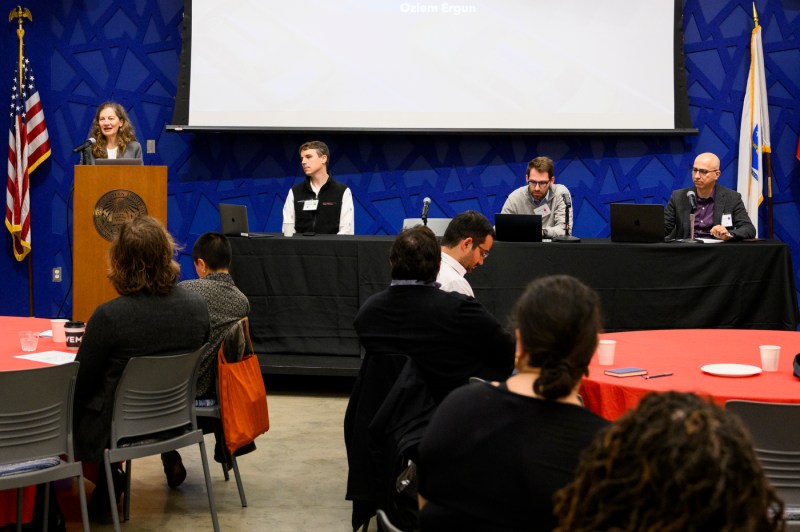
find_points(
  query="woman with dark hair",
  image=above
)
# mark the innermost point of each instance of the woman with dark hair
(674, 463)
(495, 453)
(114, 135)
(152, 316)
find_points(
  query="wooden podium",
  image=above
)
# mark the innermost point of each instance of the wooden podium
(105, 197)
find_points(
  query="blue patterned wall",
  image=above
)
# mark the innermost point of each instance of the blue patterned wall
(88, 51)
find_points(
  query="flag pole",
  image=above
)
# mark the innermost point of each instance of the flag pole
(21, 13)
(767, 153)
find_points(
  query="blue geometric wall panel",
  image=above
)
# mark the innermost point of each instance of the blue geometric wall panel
(88, 52)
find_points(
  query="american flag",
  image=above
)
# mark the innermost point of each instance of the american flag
(28, 147)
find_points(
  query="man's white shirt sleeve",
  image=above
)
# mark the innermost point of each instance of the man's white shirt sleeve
(288, 213)
(346, 216)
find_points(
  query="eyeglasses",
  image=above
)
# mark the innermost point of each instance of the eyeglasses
(702, 171)
(484, 253)
(540, 184)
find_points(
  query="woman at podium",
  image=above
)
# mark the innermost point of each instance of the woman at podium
(114, 133)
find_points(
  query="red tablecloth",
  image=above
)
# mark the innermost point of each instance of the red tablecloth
(683, 352)
(9, 348)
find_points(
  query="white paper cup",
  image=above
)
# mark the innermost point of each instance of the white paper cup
(28, 340)
(57, 325)
(770, 355)
(605, 352)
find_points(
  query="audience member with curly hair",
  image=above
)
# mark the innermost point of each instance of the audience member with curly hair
(495, 453)
(152, 316)
(675, 463)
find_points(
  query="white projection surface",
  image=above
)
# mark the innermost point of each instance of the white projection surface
(480, 65)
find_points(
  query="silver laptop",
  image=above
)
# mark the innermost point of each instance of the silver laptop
(518, 227)
(118, 162)
(635, 222)
(437, 225)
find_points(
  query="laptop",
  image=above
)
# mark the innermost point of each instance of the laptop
(437, 225)
(233, 221)
(518, 227)
(119, 162)
(633, 222)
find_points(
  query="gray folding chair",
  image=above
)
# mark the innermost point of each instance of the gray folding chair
(36, 432)
(235, 344)
(154, 412)
(213, 412)
(775, 428)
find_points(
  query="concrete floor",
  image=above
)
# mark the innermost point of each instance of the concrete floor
(295, 480)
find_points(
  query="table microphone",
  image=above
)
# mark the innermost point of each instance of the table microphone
(692, 207)
(426, 203)
(566, 237)
(692, 200)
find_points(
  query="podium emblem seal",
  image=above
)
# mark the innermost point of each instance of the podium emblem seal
(114, 208)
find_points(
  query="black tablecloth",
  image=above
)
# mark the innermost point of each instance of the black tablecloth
(305, 291)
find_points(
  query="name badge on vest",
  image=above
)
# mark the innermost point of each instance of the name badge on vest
(310, 205)
(727, 220)
(542, 210)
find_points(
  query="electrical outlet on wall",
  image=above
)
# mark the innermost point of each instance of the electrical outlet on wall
(57, 274)
(151, 146)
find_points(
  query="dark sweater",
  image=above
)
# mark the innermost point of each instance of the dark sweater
(126, 327)
(491, 460)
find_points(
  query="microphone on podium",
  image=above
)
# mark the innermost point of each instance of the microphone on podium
(89, 142)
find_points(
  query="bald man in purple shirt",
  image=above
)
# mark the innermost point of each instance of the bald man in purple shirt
(720, 211)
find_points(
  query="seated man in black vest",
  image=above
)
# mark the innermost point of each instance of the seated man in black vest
(450, 336)
(319, 204)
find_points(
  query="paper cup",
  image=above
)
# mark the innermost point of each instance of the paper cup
(57, 325)
(770, 355)
(605, 352)
(28, 340)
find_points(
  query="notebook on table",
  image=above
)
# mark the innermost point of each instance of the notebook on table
(518, 227)
(233, 221)
(635, 222)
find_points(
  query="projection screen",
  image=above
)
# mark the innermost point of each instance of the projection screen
(395, 65)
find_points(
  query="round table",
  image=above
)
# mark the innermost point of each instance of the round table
(683, 352)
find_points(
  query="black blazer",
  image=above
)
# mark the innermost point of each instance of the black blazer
(726, 201)
(450, 336)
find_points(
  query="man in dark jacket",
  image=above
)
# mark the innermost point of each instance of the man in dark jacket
(719, 212)
(450, 336)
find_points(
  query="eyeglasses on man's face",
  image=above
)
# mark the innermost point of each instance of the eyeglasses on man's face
(484, 253)
(702, 171)
(538, 184)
